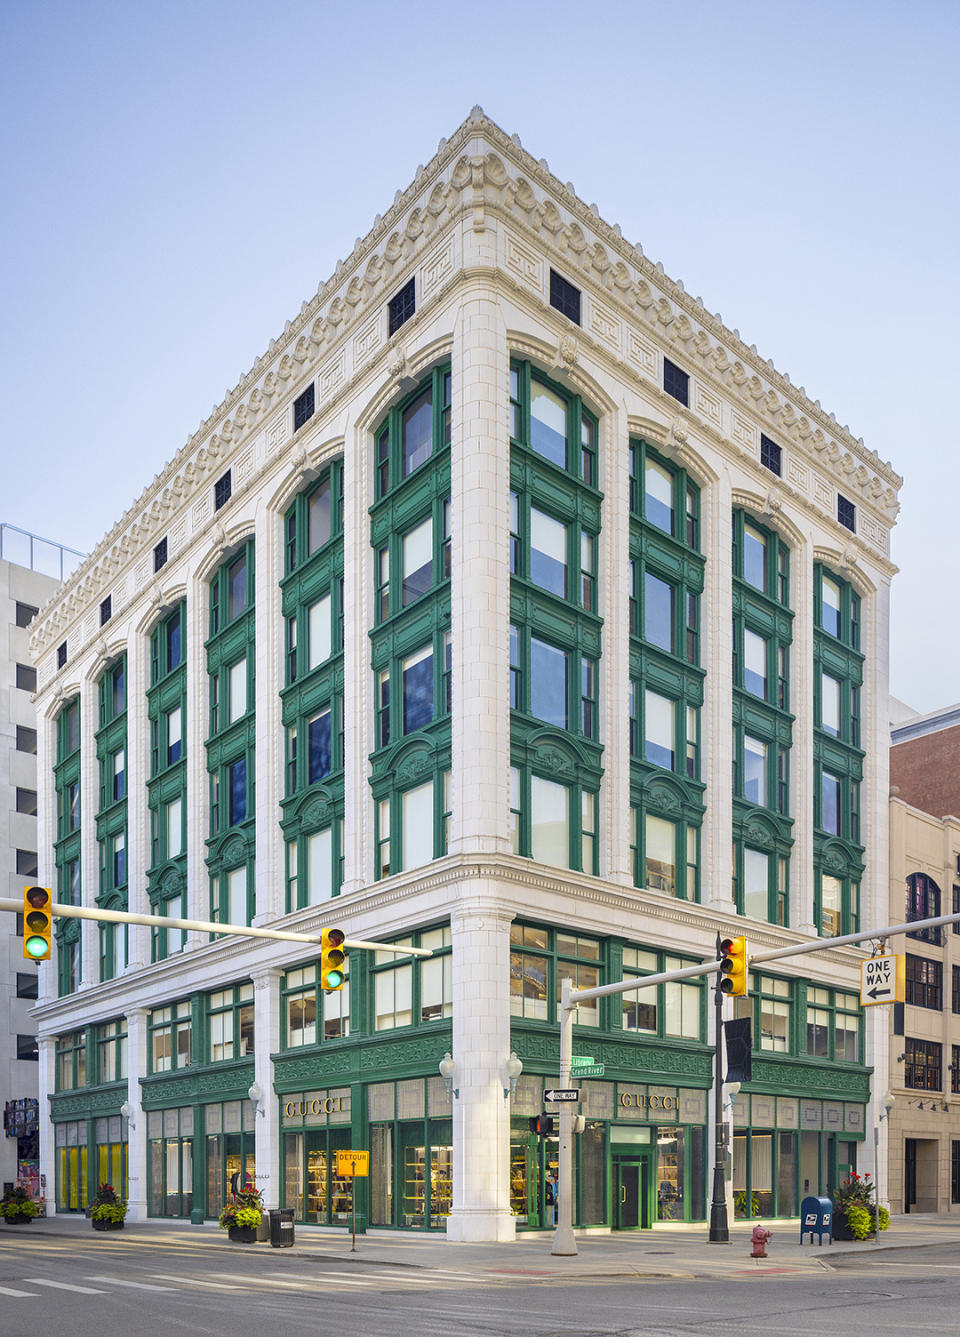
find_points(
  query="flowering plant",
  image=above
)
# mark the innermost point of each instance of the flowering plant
(106, 1206)
(244, 1208)
(855, 1188)
(18, 1202)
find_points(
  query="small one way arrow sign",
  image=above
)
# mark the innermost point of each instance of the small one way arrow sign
(882, 980)
(558, 1097)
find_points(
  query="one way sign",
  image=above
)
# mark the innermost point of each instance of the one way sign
(882, 980)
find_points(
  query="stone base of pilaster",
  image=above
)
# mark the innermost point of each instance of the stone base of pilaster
(481, 1226)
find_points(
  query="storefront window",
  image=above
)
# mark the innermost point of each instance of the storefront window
(170, 1134)
(71, 1142)
(111, 1150)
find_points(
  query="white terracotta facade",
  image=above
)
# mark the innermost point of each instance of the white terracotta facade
(479, 230)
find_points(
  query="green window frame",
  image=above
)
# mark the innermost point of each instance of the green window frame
(232, 589)
(314, 854)
(169, 899)
(309, 1015)
(69, 957)
(761, 873)
(761, 559)
(405, 703)
(168, 644)
(773, 1004)
(535, 666)
(414, 432)
(568, 841)
(112, 692)
(540, 958)
(423, 539)
(401, 812)
(674, 1010)
(413, 991)
(68, 729)
(549, 422)
(664, 496)
(838, 672)
(71, 1060)
(837, 897)
(665, 603)
(762, 722)
(170, 1037)
(229, 1017)
(233, 887)
(315, 519)
(834, 1025)
(111, 1042)
(666, 847)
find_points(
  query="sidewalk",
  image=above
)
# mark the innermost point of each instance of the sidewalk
(666, 1251)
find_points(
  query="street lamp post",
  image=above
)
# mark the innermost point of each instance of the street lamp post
(886, 1105)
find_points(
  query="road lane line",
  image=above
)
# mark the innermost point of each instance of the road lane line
(136, 1285)
(186, 1280)
(6, 1290)
(63, 1286)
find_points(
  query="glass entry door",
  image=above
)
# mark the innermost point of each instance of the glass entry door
(631, 1194)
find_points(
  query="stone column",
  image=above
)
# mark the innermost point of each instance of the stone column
(270, 868)
(138, 813)
(615, 821)
(358, 689)
(89, 845)
(480, 601)
(802, 768)
(137, 1143)
(195, 726)
(47, 1084)
(716, 725)
(266, 1029)
(481, 1046)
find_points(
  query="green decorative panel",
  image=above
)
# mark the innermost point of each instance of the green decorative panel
(624, 1060)
(89, 1103)
(406, 1057)
(228, 1081)
(793, 1077)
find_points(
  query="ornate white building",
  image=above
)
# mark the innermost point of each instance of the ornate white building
(427, 633)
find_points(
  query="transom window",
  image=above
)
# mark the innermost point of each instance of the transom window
(310, 1014)
(673, 1009)
(170, 1029)
(230, 1023)
(414, 991)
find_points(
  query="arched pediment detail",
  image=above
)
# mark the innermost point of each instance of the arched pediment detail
(163, 600)
(846, 565)
(224, 544)
(768, 511)
(305, 467)
(670, 440)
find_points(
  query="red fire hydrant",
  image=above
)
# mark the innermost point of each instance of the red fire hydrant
(759, 1238)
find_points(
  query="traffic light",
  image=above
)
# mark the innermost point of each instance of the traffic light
(733, 966)
(37, 923)
(332, 958)
(542, 1125)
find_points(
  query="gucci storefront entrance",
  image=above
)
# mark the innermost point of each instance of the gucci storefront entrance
(640, 1159)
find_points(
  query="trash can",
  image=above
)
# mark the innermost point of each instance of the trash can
(281, 1228)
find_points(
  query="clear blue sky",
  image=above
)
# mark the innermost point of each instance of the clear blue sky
(178, 178)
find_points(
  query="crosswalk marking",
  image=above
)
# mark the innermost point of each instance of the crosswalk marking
(6, 1290)
(137, 1285)
(62, 1286)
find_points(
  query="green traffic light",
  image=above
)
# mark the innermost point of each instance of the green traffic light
(36, 947)
(334, 979)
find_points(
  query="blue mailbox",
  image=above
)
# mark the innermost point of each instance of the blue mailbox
(816, 1218)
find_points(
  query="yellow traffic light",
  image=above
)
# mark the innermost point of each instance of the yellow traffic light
(37, 923)
(733, 967)
(332, 959)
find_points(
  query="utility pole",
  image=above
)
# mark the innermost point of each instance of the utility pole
(563, 1241)
(719, 1229)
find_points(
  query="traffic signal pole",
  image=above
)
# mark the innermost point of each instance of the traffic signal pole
(719, 1227)
(563, 1241)
(208, 926)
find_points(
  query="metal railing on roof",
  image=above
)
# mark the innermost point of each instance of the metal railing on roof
(38, 554)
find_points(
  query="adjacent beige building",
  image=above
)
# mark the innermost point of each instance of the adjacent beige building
(924, 1076)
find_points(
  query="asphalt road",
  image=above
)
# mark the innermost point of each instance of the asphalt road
(123, 1288)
